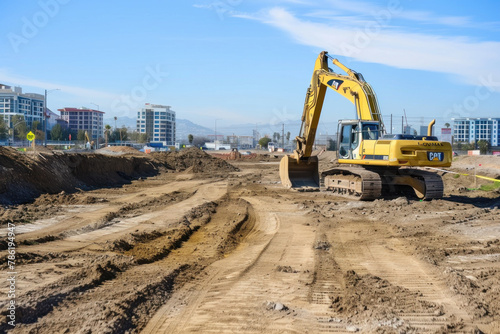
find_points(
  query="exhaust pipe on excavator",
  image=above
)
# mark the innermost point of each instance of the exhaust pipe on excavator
(298, 174)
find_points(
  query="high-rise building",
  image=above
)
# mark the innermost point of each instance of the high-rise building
(89, 120)
(158, 122)
(466, 129)
(13, 102)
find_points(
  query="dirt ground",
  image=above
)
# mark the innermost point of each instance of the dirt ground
(189, 243)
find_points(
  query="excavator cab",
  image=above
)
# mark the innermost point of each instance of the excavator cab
(303, 172)
(350, 135)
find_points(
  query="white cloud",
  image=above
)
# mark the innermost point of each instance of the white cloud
(377, 42)
(88, 94)
(398, 10)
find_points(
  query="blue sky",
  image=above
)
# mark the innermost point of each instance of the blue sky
(242, 61)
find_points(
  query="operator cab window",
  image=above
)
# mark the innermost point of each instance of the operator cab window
(370, 131)
(354, 137)
(344, 141)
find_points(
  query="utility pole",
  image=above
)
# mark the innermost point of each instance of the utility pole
(402, 124)
(45, 120)
(283, 136)
(391, 124)
(45, 116)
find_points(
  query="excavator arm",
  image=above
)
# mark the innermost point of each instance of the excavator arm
(351, 86)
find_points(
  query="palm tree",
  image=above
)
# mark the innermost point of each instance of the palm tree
(107, 127)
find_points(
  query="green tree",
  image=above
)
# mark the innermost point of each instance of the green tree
(4, 131)
(458, 146)
(143, 138)
(447, 125)
(263, 142)
(190, 138)
(331, 145)
(57, 132)
(200, 141)
(81, 136)
(107, 130)
(134, 136)
(468, 146)
(288, 136)
(20, 128)
(36, 127)
(119, 135)
(123, 133)
(483, 146)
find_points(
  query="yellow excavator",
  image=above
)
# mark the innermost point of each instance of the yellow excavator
(375, 163)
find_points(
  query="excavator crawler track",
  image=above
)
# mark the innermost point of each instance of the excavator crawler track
(433, 183)
(353, 182)
(364, 184)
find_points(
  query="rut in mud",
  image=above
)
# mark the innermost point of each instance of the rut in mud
(121, 290)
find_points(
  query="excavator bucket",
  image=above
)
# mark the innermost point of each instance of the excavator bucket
(299, 175)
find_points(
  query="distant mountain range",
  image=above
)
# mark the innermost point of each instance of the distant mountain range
(185, 127)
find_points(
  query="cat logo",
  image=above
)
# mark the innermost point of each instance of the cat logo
(435, 156)
(335, 84)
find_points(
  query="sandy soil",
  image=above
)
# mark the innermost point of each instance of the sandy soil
(196, 244)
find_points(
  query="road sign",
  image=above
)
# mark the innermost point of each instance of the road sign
(30, 136)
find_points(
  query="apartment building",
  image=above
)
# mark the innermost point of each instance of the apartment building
(85, 119)
(13, 102)
(468, 129)
(158, 122)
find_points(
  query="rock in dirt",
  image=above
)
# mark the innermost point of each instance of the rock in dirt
(276, 306)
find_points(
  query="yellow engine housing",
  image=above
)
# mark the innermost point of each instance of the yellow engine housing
(395, 152)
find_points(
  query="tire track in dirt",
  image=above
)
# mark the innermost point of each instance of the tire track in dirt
(368, 247)
(129, 297)
(110, 223)
(242, 293)
(185, 316)
(87, 215)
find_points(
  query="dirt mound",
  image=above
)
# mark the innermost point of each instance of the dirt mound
(26, 176)
(195, 159)
(118, 150)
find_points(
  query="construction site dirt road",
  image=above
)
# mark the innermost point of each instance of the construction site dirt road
(188, 243)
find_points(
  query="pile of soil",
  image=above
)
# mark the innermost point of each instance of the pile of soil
(27, 176)
(194, 160)
(118, 150)
(253, 157)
